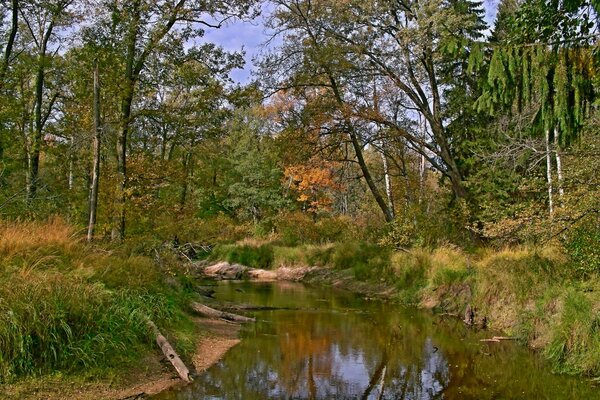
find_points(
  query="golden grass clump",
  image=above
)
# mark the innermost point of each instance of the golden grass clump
(18, 237)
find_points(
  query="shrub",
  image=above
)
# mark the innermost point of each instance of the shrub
(575, 344)
(367, 261)
(251, 256)
(319, 255)
(295, 228)
(582, 246)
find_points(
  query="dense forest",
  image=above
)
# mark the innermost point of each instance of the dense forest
(370, 135)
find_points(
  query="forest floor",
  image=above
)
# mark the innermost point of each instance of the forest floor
(153, 375)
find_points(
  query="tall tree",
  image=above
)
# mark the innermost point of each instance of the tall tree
(42, 19)
(143, 28)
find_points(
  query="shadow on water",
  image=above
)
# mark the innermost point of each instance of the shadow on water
(338, 346)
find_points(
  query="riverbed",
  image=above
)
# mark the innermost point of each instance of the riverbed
(329, 344)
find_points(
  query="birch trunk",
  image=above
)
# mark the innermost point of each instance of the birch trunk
(96, 160)
(559, 172)
(71, 165)
(388, 183)
(549, 174)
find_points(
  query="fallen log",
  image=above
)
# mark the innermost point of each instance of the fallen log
(498, 339)
(212, 313)
(170, 354)
(505, 338)
(250, 307)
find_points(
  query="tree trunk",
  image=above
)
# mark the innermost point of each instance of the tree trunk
(118, 229)
(37, 134)
(11, 41)
(387, 213)
(71, 176)
(421, 178)
(549, 174)
(212, 313)
(388, 182)
(96, 157)
(559, 172)
(170, 353)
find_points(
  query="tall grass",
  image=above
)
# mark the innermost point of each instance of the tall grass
(65, 306)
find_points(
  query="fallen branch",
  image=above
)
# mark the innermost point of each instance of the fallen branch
(170, 354)
(249, 307)
(498, 339)
(212, 313)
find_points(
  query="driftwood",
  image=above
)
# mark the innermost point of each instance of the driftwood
(498, 339)
(170, 354)
(212, 313)
(250, 307)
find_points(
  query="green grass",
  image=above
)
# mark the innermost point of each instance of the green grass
(261, 256)
(66, 306)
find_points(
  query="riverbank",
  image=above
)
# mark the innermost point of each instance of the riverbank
(73, 316)
(529, 293)
(152, 375)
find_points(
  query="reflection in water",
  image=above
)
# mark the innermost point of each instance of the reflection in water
(338, 346)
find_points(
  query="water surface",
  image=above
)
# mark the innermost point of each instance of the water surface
(330, 344)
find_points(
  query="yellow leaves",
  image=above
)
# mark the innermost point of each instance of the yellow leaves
(314, 185)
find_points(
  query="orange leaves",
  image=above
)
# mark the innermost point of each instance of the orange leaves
(314, 185)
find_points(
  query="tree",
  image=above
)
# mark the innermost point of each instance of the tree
(314, 63)
(142, 28)
(42, 19)
(544, 66)
(254, 189)
(409, 48)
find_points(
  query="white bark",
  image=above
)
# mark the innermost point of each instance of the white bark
(561, 190)
(388, 182)
(71, 164)
(421, 178)
(96, 162)
(549, 173)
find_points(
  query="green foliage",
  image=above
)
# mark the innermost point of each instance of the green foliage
(66, 307)
(261, 256)
(254, 191)
(366, 261)
(575, 344)
(582, 246)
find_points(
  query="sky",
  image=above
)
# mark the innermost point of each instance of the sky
(250, 36)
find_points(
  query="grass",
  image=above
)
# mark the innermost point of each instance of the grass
(67, 306)
(260, 256)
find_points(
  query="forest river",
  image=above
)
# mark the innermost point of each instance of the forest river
(329, 344)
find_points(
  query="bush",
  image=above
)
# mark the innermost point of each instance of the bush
(367, 261)
(251, 256)
(320, 256)
(575, 344)
(295, 228)
(582, 246)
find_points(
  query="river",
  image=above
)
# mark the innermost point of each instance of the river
(330, 344)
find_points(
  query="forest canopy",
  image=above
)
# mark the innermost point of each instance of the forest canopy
(417, 123)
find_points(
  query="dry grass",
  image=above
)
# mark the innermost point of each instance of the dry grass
(67, 306)
(17, 237)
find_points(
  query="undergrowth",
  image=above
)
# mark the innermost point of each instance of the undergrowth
(67, 306)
